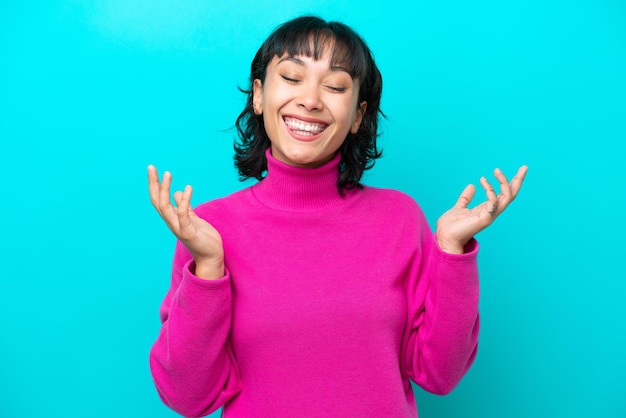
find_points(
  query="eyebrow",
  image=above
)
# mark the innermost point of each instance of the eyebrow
(300, 62)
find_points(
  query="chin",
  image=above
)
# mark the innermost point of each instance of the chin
(305, 161)
(308, 160)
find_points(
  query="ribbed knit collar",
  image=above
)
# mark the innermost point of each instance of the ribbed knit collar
(299, 189)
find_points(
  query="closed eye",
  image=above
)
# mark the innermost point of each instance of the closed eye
(289, 79)
(337, 89)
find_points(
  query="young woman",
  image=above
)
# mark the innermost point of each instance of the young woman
(308, 293)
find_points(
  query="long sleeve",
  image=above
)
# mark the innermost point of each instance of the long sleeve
(192, 360)
(441, 339)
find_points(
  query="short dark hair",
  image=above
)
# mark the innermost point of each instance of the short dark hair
(308, 36)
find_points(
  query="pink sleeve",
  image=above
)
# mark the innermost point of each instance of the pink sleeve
(442, 336)
(192, 362)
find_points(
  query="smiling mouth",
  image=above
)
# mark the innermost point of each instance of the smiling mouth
(301, 127)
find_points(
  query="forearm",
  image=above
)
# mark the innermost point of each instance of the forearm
(192, 364)
(444, 335)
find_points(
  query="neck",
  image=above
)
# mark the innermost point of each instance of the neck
(299, 189)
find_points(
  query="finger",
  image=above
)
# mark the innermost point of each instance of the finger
(153, 184)
(492, 197)
(165, 208)
(466, 196)
(164, 191)
(516, 182)
(177, 196)
(505, 196)
(184, 207)
(490, 191)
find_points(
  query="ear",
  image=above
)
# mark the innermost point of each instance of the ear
(360, 112)
(257, 97)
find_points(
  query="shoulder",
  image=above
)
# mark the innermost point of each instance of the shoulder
(393, 206)
(390, 198)
(232, 204)
(393, 214)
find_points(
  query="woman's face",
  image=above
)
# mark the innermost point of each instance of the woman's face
(308, 108)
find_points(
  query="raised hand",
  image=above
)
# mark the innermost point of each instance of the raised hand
(459, 224)
(201, 239)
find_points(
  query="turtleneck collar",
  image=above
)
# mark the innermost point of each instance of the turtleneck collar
(299, 189)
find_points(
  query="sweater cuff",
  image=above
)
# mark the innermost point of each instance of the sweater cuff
(191, 278)
(470, 251)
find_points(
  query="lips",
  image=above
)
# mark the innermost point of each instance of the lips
(303, 127)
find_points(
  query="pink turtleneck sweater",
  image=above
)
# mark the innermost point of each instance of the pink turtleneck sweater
(329, 305)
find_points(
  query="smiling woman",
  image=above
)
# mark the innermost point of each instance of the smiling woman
(309, 293)
(320, 67)
(308, 108)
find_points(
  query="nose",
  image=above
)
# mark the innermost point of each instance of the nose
(309, 98)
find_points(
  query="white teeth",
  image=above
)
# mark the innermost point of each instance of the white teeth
(304, 127)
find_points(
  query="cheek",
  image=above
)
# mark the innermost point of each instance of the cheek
(350, 118)
(267, 122)
(271, 124)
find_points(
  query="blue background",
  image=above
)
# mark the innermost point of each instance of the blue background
(91, 92)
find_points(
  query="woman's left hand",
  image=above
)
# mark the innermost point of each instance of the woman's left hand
(458, 225)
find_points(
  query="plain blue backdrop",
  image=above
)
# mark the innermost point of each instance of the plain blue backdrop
(91, 92)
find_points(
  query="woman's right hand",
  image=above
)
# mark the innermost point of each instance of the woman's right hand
(202, 240)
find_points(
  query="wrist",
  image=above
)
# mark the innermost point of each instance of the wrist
(450, 246)
(208, 269)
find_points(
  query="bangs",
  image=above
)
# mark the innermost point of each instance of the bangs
(314, 39)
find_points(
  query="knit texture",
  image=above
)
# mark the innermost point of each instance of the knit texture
(329, 307)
